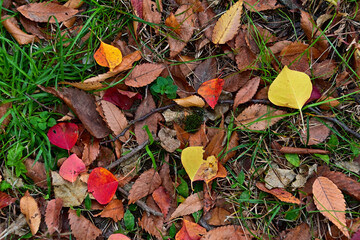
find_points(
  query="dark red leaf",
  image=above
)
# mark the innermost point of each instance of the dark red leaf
(5, 200)
(63, 135)
(122, 99)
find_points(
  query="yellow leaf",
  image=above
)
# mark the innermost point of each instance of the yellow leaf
(192, 158)
(108, 56)
(227, 26)
(191, 101)
(290, 89)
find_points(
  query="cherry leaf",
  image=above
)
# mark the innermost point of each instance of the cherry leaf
(211, 90)
(63, 135)
(71, 168)
(102, 184)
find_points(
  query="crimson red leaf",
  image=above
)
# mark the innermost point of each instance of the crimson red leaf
(211, 90)
(315, 95)
(102, 184)
(63, 135)
(5, 200)
(71, 168)
(122, 99)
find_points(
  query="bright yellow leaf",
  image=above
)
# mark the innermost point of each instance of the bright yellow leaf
(191, 159)
(290, 89)
(108, 56)
(228, 24)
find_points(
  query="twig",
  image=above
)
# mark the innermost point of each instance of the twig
(139, 120)
(44, 106)
(141, 204)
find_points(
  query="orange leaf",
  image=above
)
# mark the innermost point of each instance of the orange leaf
(173, 23)
(71, 168)
(29, 207)
(211, 90)
(280, 193)
(162, 199)
(330, 202)
(114, 210)
(108, 56)
(118, 236)
(144, 74)
(190, 231)
(13, 28)
(219, 217)
(82, 228)
(102, 184)
(192, 204)
(52, 214)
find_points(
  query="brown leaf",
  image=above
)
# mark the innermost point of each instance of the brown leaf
(46, 12)
(146, 106)
(173, 23)
(162, 199)
(233, 142)
(185, 16)
(302, 150)
(144, 185)
(324, 69)
(246, 92)
(206, 19)
(91, 148)
(192, 204)
(227, 232)
(30, 208)
(301, 232)
(244, 57)
(215, 146)
(235, 81)
(205, 71)
(255, 113)
(261, 5)
(190, 231)
(330, 202)
(168, 184)
(82, 228)
(199, 138)
(316, 133)
(5, 200)
(150, 12)
(12, 27)
(144, 74)
(36, 171)
(168, 140)
(115, 119)
(152, 224)
(280, 193)
(4, 107)
(188, 64)
(52, 215)
(219, 217)
(114, 210)
(181, 135)
(83, 105)
(86, 86)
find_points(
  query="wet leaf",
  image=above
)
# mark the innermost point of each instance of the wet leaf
(71, 168)
(30, 208)
(108, 56)
(211, 90)
(5, 200)
(63, 135)
(52, 215)
(144, 74)
(192, 204)
(114, 210)
(82, 228)
(102, 184)
(330, 202)
(144, 185)
(280, 193)
(191, 101)
(190, 231)
(290, 89)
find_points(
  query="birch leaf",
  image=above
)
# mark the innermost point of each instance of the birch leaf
(108, 56)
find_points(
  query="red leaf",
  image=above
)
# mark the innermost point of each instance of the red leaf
(5, 200)
(118, 236)
(102, 184)
(63, 135)
(211, 90)
(190, 231)
(122, 99)
(162, 199)
(71, 168)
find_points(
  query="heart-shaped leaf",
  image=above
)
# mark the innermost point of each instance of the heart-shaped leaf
(102, 184)
(71, 168)
(63, 135)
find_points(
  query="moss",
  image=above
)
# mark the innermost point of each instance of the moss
(193, 121)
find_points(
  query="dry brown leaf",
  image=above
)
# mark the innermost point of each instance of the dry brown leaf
(192, 204)
(280, 193)
(83, 105)
(328, 105)
(150, 12)
(52, 215)
(324, 69)
(162, 199)
(261, 5)
(245, 58)
(91, 149)
(330, 202)
(235, 81)
(279, 178)
(30, 208)
(199, 138)
(114, 210)
(144, 74)
(219, 217)
(188, 65)
(316, 133)
(144, 185)
(74, 4)
(115, 119)
(257, 112)
(181, 135)
(173, 23)
(206, 19)
(152, 224)
(228, 24)
(82, 228)
(233, 142)
(228, 232)
(46, 12)
(215, 146)
(191, 101)
(86, 86)
(301, 232)
(246, 93)
(36, 171)
(296, 150)
(168, 140)
(205, 71)
(12, 27)
(4, 107)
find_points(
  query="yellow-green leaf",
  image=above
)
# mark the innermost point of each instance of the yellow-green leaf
(108, 56)
(290, 89)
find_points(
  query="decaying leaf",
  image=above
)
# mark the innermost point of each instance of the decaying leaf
(115, 119)
(259, 117)
(82, 228)
(211, 90)
(190, 231)
(219, 217)
(150, 12)
(144, 74)
(190, 101)
(5, 200)
(30, 208)
(192, 204)
(52, 215)
(108, 56)
(144, 185)
(246, 92)
(228, 24)
(71, 168)
(330, 202)
(162, 199)
(102, 184)
(316, 133)
(46, 12)
(114, 210)
(280, 193)
(279, 178)
(36, 171)
(12, 27)
(227, 232)
(168, 140)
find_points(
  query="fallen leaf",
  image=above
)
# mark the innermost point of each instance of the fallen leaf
(192, 159)
(290, 89)
(102, 184)
(247, 92)
(280, 193)
(123, 99)
(30, 208)
(173, 23)
(71, 168)
(301, 232)
(46, 12)
(86, 86)
(229, 152)
(204, 71)
(12, 27)
(279, 178)
(228, 232)
(36, 171)
(115, 119)
(162, 199)
(190, 101)
(168, 140)
(219, 217)
(72, 194)
(324, 69)
(52, 215)
(144, 74)
(259, 117)
(199, 138)
(146, 184)
(356, 236)
(234, 81)
(118, 236)
(228, 24)
(296, 150)
(192, 204)
(5, 200)
(114, 210)
(215, 146)
(4, 107)
(190, 231)
(108, 56)
(330, 202)
(245, 58)
(150, 12)
(91, 149)
(316, 133)
(261, 5)
(328, 105)
(82, 228)
(211, 90)
(63, 135)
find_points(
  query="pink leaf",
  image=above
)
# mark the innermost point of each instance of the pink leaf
(71, 168)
